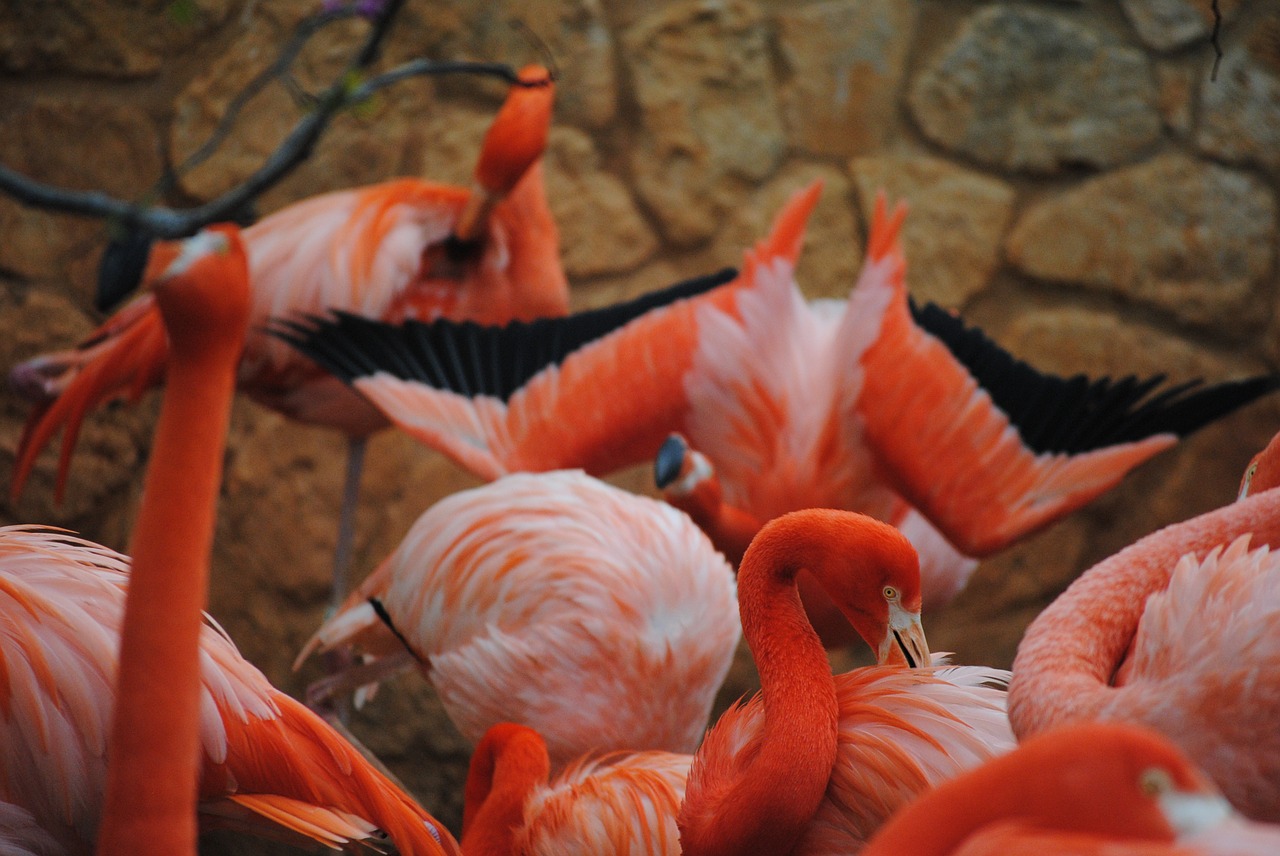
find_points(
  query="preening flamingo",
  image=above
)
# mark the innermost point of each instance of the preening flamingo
(1180, 632)
(603, 619)
(814, 763)
(874, 405)
(268, 765)
(613, 805)
(1093, 788)
(388, 251)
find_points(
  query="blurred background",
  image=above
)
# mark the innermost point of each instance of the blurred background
(1078, 186)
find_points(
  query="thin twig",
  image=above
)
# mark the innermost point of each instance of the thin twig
(1213, 39)
(306, 29)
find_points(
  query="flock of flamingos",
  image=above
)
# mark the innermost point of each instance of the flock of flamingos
(577, 633)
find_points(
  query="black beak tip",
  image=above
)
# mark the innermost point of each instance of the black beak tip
(121, 268)
(906, 651)
(670, 459)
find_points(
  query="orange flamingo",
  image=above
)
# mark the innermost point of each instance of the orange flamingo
(402, 249)
(621, 803)
(152, 775)
(815, 763)
(1092, 788)
(268, 765)
(603, 619)
(1180, 632)
(875, 405)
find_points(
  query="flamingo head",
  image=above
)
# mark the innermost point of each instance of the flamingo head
(203, 290)
(1137, 774)
(1263, 472)
(518, 134)
(872, 573)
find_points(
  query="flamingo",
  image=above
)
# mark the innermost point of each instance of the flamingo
(621, 803)
(268, 765)
(602, 619)
(153, 737)
(1180, 632)
(1088, 788)
(814, 763)
(401, 249)
(874, 405)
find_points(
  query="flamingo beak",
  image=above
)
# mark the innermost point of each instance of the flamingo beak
(670, 462)
(1190, 813)
(904, 643)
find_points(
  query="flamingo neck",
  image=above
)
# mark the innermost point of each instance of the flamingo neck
(510, 762)
(534, 242)
(1069, 657)
(152, 778)
(729, 527)
(769, 805)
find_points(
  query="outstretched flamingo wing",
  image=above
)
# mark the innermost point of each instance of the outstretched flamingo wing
(986, 446)
(597, 390)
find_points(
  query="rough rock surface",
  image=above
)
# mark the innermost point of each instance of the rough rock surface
(110, 39)
(1145, 233)
(601, 230)
(1240, 111)
(1024, 89)
(845, 63)
(955, 221)
(709, 120)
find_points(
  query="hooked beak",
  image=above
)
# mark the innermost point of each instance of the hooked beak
(669, 463)
(1192, 813)
(904, 643)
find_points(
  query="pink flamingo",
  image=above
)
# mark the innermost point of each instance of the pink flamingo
(1180, 632)
(1092, 788)
(268, 766)
(898, 729)
(815, 763)
(402, 249)
(620, 803)
(602, 619)
(874, 405)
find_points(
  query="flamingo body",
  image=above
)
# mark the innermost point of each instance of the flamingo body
(1179, 632)
(388, 250)
(268, 764)
(799, 404)
(602, 619)
(814, 763)
(612, 805)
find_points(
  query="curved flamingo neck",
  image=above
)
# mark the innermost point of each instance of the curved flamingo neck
(154, 750)
(508, 764)
(730, 528)
(1066, 662)
(769, 805)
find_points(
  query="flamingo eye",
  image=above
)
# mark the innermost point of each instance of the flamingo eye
(890, 593)
(1245, 482)
(1155, 781)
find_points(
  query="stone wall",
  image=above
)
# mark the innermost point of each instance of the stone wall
(1078, 186)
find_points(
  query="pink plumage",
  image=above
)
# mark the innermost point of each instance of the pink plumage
(270, 766)
(602, 619)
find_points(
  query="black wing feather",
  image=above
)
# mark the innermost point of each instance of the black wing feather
(1072, 415)
(461, 356)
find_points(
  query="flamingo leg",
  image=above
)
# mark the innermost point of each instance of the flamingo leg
(347, 522)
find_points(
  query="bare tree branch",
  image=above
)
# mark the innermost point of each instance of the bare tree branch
(349, 88)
